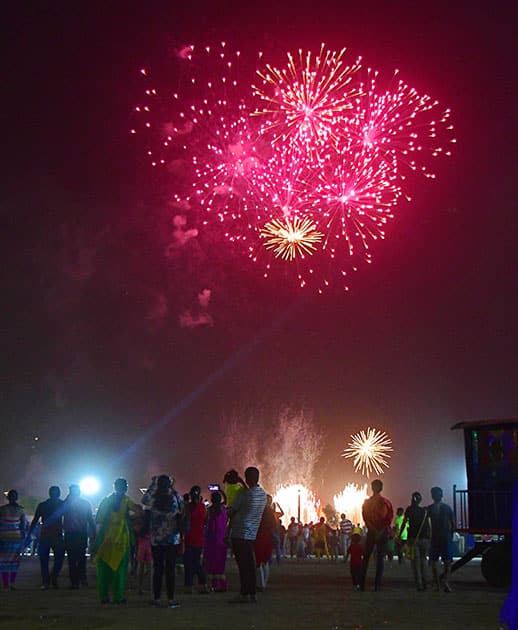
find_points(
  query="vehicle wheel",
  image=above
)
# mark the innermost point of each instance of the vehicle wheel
(496, 565)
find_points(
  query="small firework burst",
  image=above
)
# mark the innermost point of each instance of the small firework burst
(370, 451)
(290, 238)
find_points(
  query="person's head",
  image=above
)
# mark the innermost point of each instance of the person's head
(216, 498)
(120, 486)
(377, 486)
(322, 519)
(416, 498)
(163, 483)
(356, 538)
(436, 493)
(195, 494)
(231, 476)
(400, 511)
(251, 476)
(186, 497)
(342, 516)
(12, 497)
(292, 519)
(54, 492)
(74, 490)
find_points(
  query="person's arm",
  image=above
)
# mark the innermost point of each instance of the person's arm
(280, 513)
(147, 499)
(34, 521)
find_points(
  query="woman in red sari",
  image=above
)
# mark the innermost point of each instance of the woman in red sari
(264, 543)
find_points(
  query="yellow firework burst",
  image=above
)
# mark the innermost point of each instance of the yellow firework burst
(369, 450)
(290, 238)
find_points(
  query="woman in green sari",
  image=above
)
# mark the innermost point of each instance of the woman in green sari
(113, 542)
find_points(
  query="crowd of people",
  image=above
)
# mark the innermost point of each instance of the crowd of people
(150, 538)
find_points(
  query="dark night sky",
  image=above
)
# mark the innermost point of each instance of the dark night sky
(427, 335)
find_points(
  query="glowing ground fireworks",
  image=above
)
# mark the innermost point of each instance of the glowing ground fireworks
(369, 451)
(350, 501)
(296, 496)
(300, 166)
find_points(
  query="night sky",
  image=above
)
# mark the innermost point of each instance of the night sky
(94, 353)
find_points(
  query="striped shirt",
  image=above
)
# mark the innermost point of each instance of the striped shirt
(248, 508)
(346, 527)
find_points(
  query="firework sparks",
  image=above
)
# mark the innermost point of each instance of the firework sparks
(370, 451)
(290, 238)
(307, 166)
(291, 497)
(305, 101)
(350, 501)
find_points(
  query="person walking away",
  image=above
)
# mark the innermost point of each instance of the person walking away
(50, 513)
(320, 538)
(278, 513)
(293, 532)
(263, 546)
(400, 534)
(346, 531)
(215, 548)
(194, 543)
(166, 506)
(112, 543)
(355, 551)
(377, 512)
(78, 525)
(13, 525)
(245, 514)
(443, 524)
(418, 521)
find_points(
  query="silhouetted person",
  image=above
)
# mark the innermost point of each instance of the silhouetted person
(418, 539)
(78, 524)
(50, 512)
(377, 513)
(443, 524)
(246, 513)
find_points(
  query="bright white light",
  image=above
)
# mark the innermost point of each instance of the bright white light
(89, 485)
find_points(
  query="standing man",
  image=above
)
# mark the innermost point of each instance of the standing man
(245, 514)
(400, 533)
(78, 524)
(50, 512)
(443, 524)
(293, 533)
(346, 531)
(377, 513)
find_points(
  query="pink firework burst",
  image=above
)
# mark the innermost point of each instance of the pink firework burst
(400, 123)
(355, 195)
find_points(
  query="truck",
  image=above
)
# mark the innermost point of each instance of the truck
(485, 508)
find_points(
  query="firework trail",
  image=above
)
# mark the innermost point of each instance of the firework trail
(370, 451)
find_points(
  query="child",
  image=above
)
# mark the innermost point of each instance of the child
(356, 552)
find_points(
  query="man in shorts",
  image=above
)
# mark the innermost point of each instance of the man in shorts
(443, 524)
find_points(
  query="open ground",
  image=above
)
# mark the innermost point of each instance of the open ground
(312, 594)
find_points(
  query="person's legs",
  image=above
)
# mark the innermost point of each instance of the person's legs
(381, 550)
(44, 561)
(119, 579)
(58, 546)
(104, 580)
(171, 551)
(196, 565)
(415, 563)
(423, 552)
(370, 541)
(188, 563)
(158, 569)
(245, 558)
